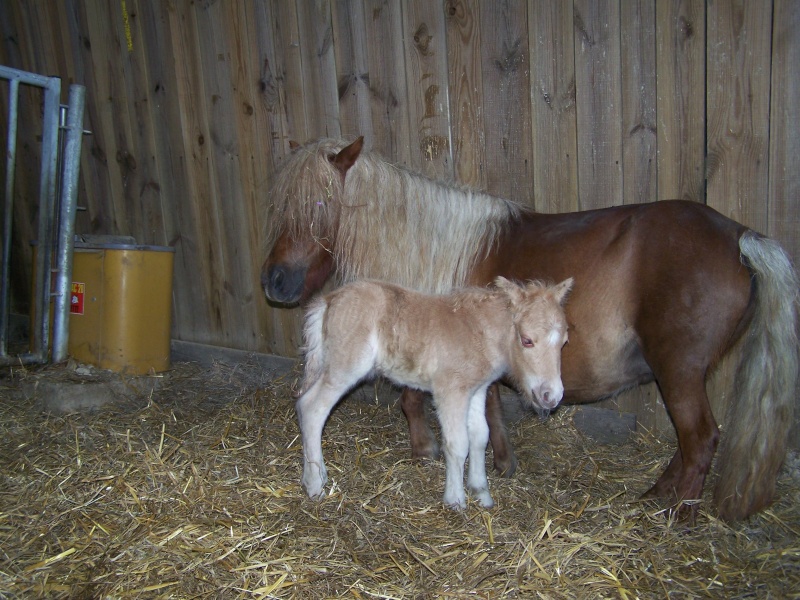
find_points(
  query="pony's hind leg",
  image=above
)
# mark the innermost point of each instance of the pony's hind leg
(423, 442)
(687, 402)
(505, 461)
(478, 432)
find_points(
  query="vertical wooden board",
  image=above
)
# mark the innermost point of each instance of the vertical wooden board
(352, 72)
(554, 119)
(737, 101)
(598, 103)
(110, 145)
(170, 182)
(739, 42)
(280, 327)
(142, 187)
(505, 56)
(289, 67)
(638, 55)
(254, 159)
(319, 68)
(426, 74)
(158, 104)
(639, 156)
(466, 90)
(680, 68)
(233, 289)
(389, 95)
(271, 106)
(197, 259)
(784, 151)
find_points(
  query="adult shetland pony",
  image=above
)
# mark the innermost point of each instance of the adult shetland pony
(662, 291)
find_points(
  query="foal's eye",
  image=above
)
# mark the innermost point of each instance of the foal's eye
(526, 341)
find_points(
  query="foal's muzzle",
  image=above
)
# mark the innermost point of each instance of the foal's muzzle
(548, 396)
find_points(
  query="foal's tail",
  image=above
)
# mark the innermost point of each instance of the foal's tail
(758, 421)
(312, 343)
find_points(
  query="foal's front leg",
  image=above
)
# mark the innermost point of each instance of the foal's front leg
(478, 433)
(313, 409)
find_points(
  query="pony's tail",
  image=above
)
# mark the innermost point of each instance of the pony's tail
(313, 346)
(761, 414)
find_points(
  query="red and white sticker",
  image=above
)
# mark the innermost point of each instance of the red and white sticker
(76, 298)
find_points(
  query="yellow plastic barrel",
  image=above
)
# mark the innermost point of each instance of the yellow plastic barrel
(121, 306)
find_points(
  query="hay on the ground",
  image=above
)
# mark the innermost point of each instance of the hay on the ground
(191, 490)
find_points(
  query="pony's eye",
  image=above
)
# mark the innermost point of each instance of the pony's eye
(526, 341)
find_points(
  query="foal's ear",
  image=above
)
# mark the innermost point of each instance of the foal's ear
(293, 145)
(348, 155)
(561, 290)
(511, 289)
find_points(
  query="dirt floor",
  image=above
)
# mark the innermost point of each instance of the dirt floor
(186, 485)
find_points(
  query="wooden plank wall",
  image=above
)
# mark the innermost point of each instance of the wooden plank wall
(563, 105)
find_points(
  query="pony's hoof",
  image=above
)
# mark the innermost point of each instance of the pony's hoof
(506, 466)
(429, 451)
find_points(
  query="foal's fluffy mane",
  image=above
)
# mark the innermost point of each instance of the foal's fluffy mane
(386, 222)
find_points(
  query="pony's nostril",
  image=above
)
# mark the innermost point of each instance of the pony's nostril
(276, 278)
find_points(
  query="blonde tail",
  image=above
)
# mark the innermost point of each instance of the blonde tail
(765, 388)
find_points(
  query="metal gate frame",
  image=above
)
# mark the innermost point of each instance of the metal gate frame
(58, 193)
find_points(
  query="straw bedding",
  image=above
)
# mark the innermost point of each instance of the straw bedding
(188, 487)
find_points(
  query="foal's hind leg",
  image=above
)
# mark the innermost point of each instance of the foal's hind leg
(423, 442)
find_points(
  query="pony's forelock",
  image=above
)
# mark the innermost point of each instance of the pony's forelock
(303, 193)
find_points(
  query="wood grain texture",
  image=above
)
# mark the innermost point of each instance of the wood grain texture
(639, 135)
(784, 175)
(505, 55)
(598, 103)
(554, 118)
(563, 105)
(320, 87)
(466, 91)
(352, 71)
(738, 90)
(390, 98)
(427, 78)
(680, 64)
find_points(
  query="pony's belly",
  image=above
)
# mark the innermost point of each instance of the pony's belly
(599, 371)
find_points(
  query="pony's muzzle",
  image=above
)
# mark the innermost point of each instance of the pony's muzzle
(283, 285)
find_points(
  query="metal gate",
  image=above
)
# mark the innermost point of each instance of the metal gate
(58, 191)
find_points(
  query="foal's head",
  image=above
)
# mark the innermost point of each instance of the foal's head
(540, 329)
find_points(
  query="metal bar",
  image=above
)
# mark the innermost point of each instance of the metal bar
(66, 228)
(8, 214)
(47, 203)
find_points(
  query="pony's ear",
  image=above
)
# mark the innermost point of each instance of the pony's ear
(293, 145)
(561, 290)
(348, 155)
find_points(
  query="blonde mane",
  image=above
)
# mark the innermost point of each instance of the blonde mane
(386, 222)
